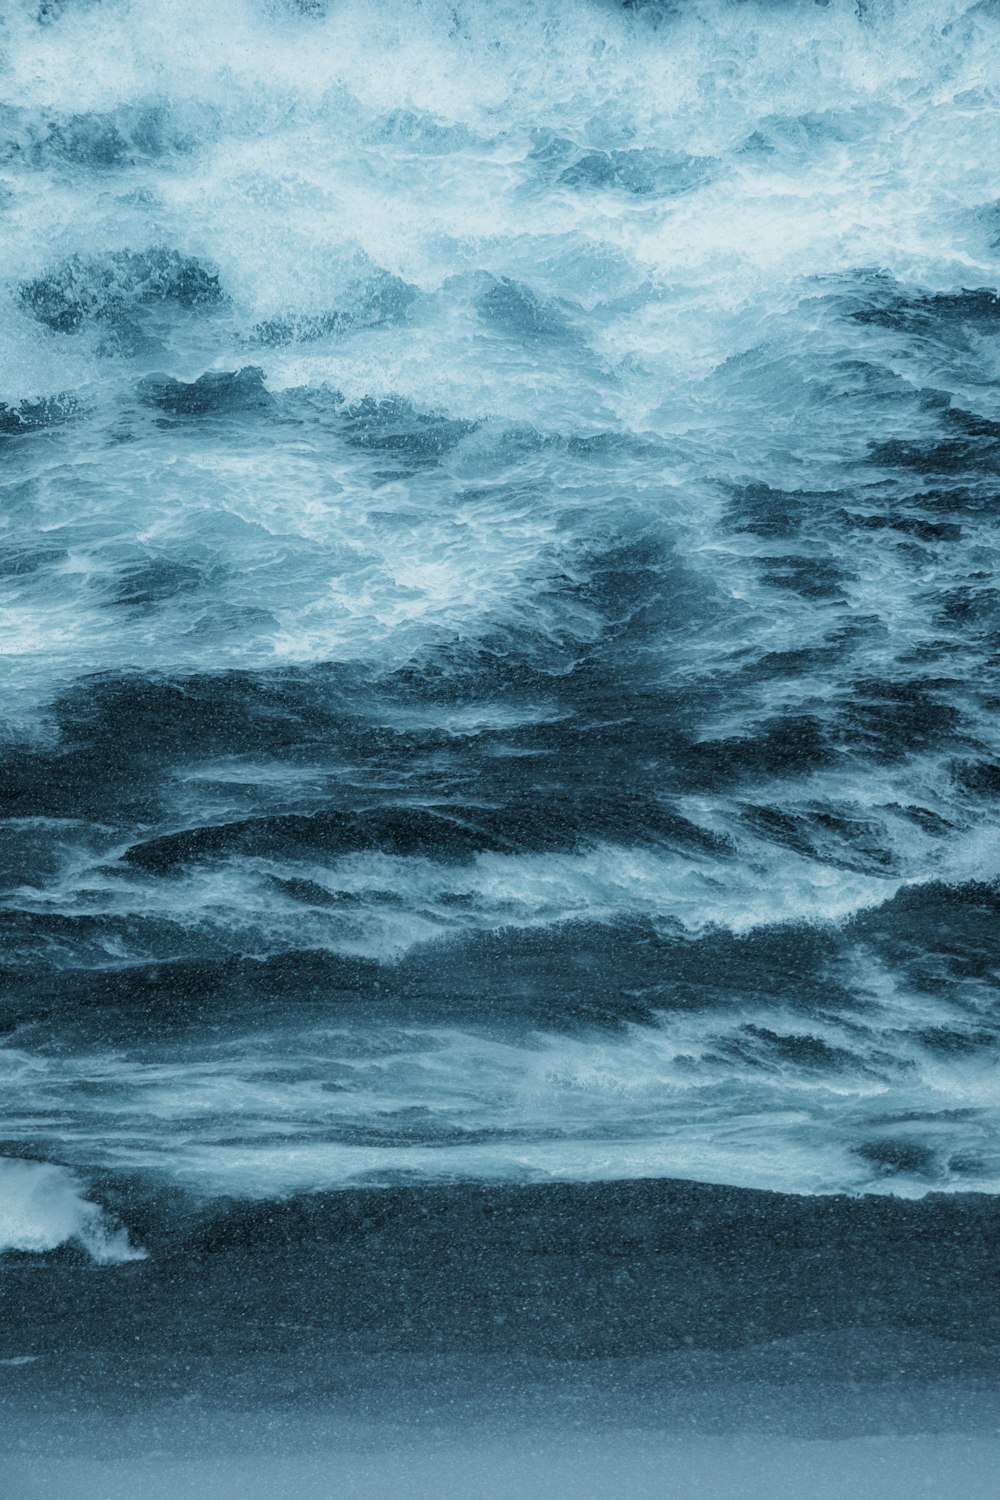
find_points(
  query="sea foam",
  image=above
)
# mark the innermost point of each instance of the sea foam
(43, 1206)
(497, 603)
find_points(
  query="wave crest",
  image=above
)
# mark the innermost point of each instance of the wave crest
(43, 1206)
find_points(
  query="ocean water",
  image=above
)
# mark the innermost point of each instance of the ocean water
(498, 617)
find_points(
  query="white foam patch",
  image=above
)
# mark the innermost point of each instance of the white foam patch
(43, 1206)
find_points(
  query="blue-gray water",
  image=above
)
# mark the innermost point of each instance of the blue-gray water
(498, 617)
(499, 629)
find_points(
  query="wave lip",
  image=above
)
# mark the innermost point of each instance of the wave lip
(43, 1206)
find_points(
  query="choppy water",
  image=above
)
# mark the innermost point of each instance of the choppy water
(498, 605)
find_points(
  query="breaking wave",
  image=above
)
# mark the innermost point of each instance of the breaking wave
(42, 1206)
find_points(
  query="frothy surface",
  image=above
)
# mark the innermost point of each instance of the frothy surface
(499, 628)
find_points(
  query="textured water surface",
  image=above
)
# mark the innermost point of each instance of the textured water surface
(498, 607)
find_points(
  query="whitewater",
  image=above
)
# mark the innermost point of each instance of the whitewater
(498, 610)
